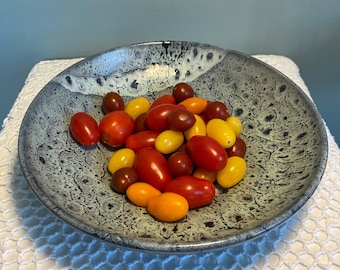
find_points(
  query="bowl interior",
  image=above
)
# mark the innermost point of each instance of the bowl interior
(286, 139)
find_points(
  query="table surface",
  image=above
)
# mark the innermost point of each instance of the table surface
(33, 238)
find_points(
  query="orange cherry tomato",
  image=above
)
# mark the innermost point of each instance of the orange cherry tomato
(195, 105)
(140, 193)
(168, 207)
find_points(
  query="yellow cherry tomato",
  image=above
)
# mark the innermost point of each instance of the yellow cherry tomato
(137, 106)
(195, 105)
(169, 141)
(235, 123)
(124, 157)
(140, 193)
(205, 174)
(168, 207)
(199, 128)
(221, 131)
(232, 173)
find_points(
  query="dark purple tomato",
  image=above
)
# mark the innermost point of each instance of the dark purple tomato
(123, 178)
(179, 164)
(181, 120)
(216, 109)
(140, 124)
(112, 101)
(238, 149)
(182, 91)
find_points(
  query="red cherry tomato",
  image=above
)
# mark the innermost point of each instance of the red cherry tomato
(179, 164)
(165, 99)
(216, 109)
(181, 120)
(112, 101)
(157, 117)
(152, 168)
(115, 127)
(198, 192)
(207, 153)
(84, 129)
(141, 139)
(182, 91)
(238, 149)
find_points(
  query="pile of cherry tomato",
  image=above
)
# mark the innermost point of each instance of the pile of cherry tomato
(170, 151)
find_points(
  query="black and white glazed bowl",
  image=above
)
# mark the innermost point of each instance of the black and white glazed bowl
(286, 139)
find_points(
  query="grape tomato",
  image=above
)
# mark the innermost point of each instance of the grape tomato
(165, 99)
(181, 120)
(206, 153)
(232, 173)
(182, 91)
(115, 127)
(168, 207)
(205, 174)
(139, 124)
(168, 141)
(195, 105)
(198, 129)
(179, 164)
(123, 178)
(221, 131)
(140, 193)
(152, 168)
(123, 157)
(157, 117)
(84, 129)
(238, 149)
(139, 140)
(112, 101)
(198, 192)
(235, 123)
(216, 109)
(137, 106)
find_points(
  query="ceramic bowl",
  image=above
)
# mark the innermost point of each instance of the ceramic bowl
(286, 139)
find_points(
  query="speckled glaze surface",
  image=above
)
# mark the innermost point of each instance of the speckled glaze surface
(286, 156)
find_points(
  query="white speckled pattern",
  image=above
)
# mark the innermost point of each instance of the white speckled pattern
(287, 146)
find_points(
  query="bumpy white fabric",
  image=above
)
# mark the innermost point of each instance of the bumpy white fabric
(33, 238)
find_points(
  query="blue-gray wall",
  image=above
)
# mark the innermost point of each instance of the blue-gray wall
(307, 31)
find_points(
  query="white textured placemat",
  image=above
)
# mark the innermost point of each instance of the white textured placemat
(32, 238)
